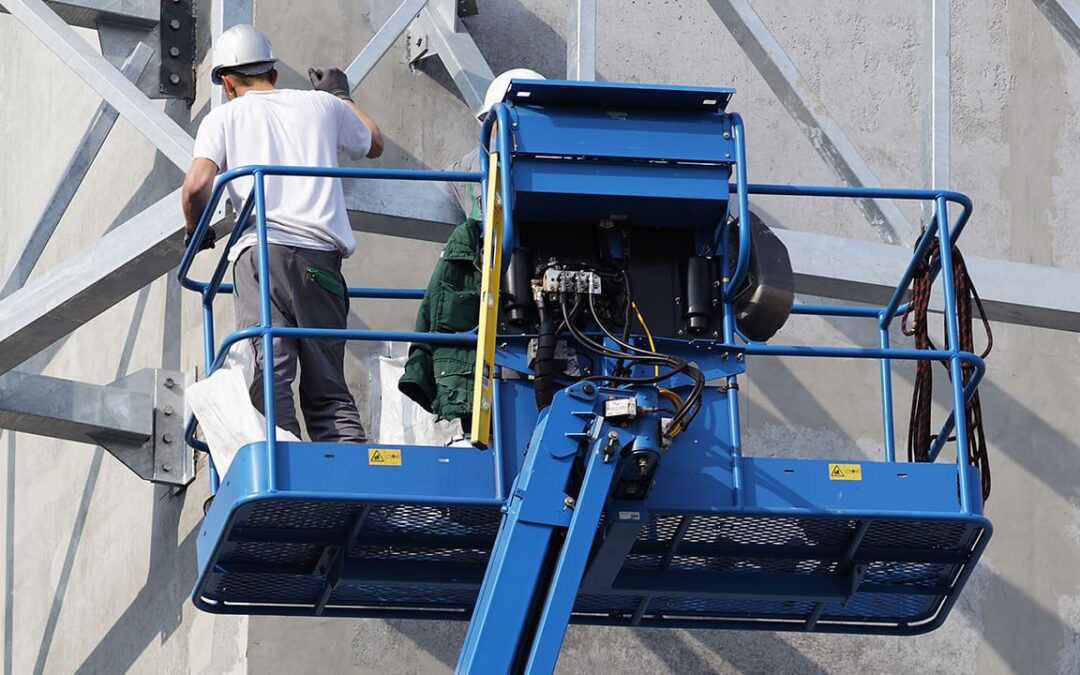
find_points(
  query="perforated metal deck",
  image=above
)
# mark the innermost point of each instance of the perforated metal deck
(280, 555)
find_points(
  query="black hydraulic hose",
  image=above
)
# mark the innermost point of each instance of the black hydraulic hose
(544, 363)
(605, 351)
(677, 365)
(695, 374)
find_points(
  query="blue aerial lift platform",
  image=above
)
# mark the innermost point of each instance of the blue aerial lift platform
(608, 484)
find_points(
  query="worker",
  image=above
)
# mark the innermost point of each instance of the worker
(440, 377)
(468, 195)
(307, 226)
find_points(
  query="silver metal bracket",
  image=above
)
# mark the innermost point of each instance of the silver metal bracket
(439, 31)
(467, 8)
(163, 457)
(177, 49)
(139, 419)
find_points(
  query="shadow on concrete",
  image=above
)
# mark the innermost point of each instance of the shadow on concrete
(165, 567)
(537, 45)
(443, 644)
(156, 611)
(1014, 429)
(84, 502)
(745, 652)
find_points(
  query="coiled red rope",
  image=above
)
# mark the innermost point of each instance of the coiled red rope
(915, 324)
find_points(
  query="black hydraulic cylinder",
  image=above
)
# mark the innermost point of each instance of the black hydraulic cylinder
(517, 289)
(699, 306)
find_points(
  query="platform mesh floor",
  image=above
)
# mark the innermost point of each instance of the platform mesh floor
(278, 557)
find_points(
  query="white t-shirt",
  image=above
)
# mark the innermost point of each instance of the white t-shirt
(288, 127)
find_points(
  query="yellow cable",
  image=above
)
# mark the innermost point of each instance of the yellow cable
(648, 333)
(666, 393)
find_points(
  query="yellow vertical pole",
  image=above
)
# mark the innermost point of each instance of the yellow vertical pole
(491, 277)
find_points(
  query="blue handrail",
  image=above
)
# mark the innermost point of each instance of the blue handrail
(939, 228)
(740, 188)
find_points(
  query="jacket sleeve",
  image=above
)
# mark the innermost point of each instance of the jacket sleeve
(418, 380)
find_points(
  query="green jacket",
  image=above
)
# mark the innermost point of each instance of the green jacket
(440, 377)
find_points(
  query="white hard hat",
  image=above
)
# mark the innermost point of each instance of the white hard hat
(244, 49)
(497, 89)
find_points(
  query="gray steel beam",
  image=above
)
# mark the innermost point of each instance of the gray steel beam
(117, 41)
(147, 246)
(832, 267)
(867, 272)
(1064, 15)
(94, 137)
(87, 13)
(581, 40)
(455, 47)
(122, 261)
(940, 96)
(74, 411)
(138, 419)
(811, 114)
(95, 70)
(224, 14)
(383, 39)
(402, 208)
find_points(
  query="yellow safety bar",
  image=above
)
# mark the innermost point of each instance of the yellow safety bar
(484, 375)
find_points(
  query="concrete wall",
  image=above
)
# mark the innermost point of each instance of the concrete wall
(98, 565)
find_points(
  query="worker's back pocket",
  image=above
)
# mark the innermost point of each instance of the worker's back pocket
(457, 310)
(329, 280)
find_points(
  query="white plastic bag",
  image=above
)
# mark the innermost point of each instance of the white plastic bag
(401, 420)
(226, 416)
(241, 357)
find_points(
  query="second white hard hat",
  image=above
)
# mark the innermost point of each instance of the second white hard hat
(497, 89)
(244, 49)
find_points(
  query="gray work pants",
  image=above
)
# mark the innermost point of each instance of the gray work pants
(298, 299)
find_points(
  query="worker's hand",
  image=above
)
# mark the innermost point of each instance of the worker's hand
(332, 80)
(208, 241)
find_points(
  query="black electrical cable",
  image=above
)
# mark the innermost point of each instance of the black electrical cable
(603, 351)
(693, 401)
(595, 346)
(638, 356)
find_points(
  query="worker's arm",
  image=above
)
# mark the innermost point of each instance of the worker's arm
(198, 184)
(335, 81)
(376, 134)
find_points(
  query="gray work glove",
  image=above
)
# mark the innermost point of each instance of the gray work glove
(331, 80)
(208, 241)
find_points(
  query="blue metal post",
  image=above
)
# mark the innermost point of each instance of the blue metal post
(969, 391)
(267, 338)
(208, 346)
(732, 282)
(952, 331)
(496, 437)
(734, 424)
(484, 151)
(214, 285)
(916, 259)
(887, 430)
(509, 232)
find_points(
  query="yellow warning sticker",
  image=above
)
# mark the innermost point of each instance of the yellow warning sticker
(845, 472)
(383, 457)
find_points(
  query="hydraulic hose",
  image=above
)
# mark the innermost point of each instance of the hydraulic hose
(544, 363)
